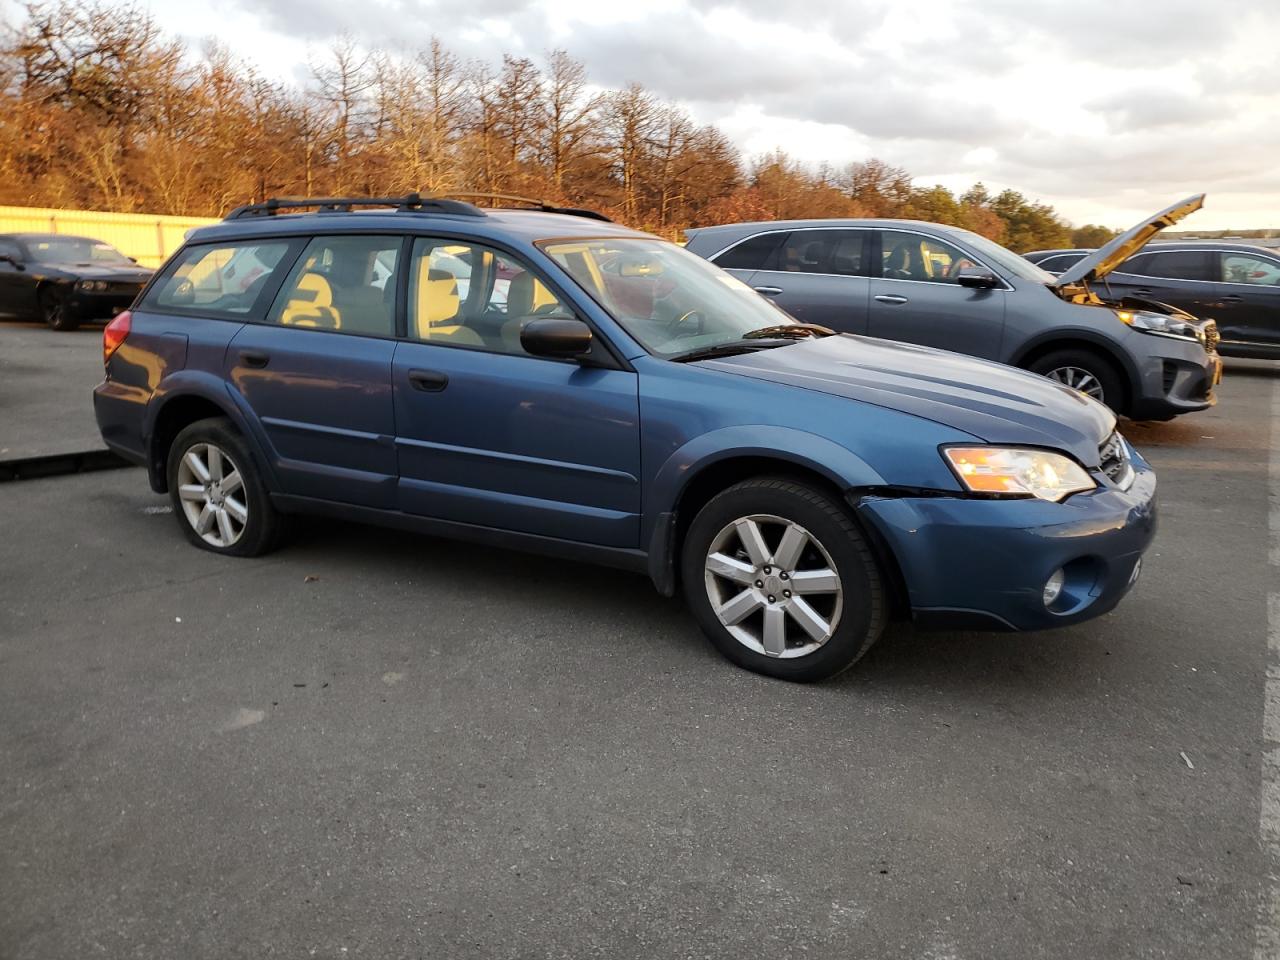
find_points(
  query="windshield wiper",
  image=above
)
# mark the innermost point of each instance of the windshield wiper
(793, 331)
(732, 348)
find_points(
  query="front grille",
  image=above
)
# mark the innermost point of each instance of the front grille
(1211, 335)
(1113, 457)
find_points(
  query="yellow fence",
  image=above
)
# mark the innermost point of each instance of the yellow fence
(147, 238)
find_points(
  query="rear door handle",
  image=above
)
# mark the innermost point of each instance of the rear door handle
(254, 358)
(769, 291)
(891, 298)
(431, 381)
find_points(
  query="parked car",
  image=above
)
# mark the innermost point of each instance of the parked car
(65, 281)
(622, 401)
(1055, 261)
(1236, 284)
(942, 286)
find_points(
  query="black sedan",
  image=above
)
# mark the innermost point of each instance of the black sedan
(64, 280)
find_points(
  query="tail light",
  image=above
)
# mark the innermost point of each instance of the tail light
(115, 333)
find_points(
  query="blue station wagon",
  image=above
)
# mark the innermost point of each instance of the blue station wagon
(543, 379)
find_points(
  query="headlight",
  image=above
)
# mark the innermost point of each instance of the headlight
(1160, 325)
(1018, 470)
(92, 285)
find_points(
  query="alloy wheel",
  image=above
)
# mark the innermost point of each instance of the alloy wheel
(773, 586)
(211, 491)
(1077, 378)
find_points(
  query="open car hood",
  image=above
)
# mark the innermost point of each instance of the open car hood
(1105, 259)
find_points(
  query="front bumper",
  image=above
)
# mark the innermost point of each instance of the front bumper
(970, 563)
(84, 305)
(1174, 377)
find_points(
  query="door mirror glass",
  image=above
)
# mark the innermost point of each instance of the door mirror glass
(555, 337)
(978, 278)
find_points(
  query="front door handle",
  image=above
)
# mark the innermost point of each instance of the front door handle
(1230, 300)
(431, 381)
(254, 358)
(769, 291)
(891, 298)
(1142, 292)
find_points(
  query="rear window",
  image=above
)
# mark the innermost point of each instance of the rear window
(755, 253)
(218, 279)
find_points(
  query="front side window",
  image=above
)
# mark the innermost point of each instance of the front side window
(910, 256)
(218, 279)
(824, 251)
(757, 253)
(342, 283)
(668, 299)
(80, 251)
(469, 295)
(1176, 265)
(1246, 268)
(10, 250)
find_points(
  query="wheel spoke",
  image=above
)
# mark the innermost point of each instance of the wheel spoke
(752, 540)
(205, 520)
(793, 542)
(196, 466)
(815, 581)
(775, 631)
(237, 510)
(191, 491)
(231, 483)
(225, 530)
(214, 456)
(808, 619)
(741, 606)
(731, 568)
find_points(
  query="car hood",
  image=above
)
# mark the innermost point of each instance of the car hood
(1105, 259)
(995, 403)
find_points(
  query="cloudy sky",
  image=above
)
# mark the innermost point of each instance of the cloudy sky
(1108, 109)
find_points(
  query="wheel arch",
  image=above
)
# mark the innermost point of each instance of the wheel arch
(1088, 342)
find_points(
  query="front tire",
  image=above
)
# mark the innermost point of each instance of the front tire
(53, 309)
(218, 497)
(1085, 371)
(781, 580)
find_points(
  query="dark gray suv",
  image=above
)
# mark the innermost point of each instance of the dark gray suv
(942, 286)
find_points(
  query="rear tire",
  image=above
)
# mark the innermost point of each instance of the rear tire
(53, 308)
(1087, 371)
(781, 580)
(218, 497)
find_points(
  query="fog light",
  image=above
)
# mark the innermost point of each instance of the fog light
(1053, 587)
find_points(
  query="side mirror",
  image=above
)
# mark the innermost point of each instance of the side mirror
(556, 337)
(12, 261)
(977, 279)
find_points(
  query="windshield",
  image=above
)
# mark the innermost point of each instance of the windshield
(670, 300)
(74, 250)
(1006, 259)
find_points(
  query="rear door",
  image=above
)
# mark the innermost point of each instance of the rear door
(820, 276)
(492, 436)
(916, 297)
(1248, 297)
(1180, 278)
(317, 371)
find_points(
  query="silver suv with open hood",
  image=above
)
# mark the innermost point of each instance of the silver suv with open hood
(942, 286)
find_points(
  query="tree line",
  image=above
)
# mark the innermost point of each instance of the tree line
(102, 110)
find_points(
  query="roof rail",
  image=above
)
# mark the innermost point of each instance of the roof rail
(541, 205)
(413, 203)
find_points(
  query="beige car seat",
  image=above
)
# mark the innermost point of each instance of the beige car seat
(311, 304)
(436, 313)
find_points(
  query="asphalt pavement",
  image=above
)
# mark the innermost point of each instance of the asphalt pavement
(373, 744)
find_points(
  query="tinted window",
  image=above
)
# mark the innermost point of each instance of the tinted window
(1058, 263)
(9, 248)
(910, 256)
(342, 283)
(466, 295)
(218, 279)
(1136, 264)
(1246, 268)
(756, 253)
(1176, 265)
(824, 251)
(74, 250)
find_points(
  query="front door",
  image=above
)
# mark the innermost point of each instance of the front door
(819, 276)
(489, 435)
(317, 372)
(17, 288)
(916, 297)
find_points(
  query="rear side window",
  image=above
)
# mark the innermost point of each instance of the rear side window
(218, 279)
(756, 253)
(1174, 265)
(342, 283)
(824, 251)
